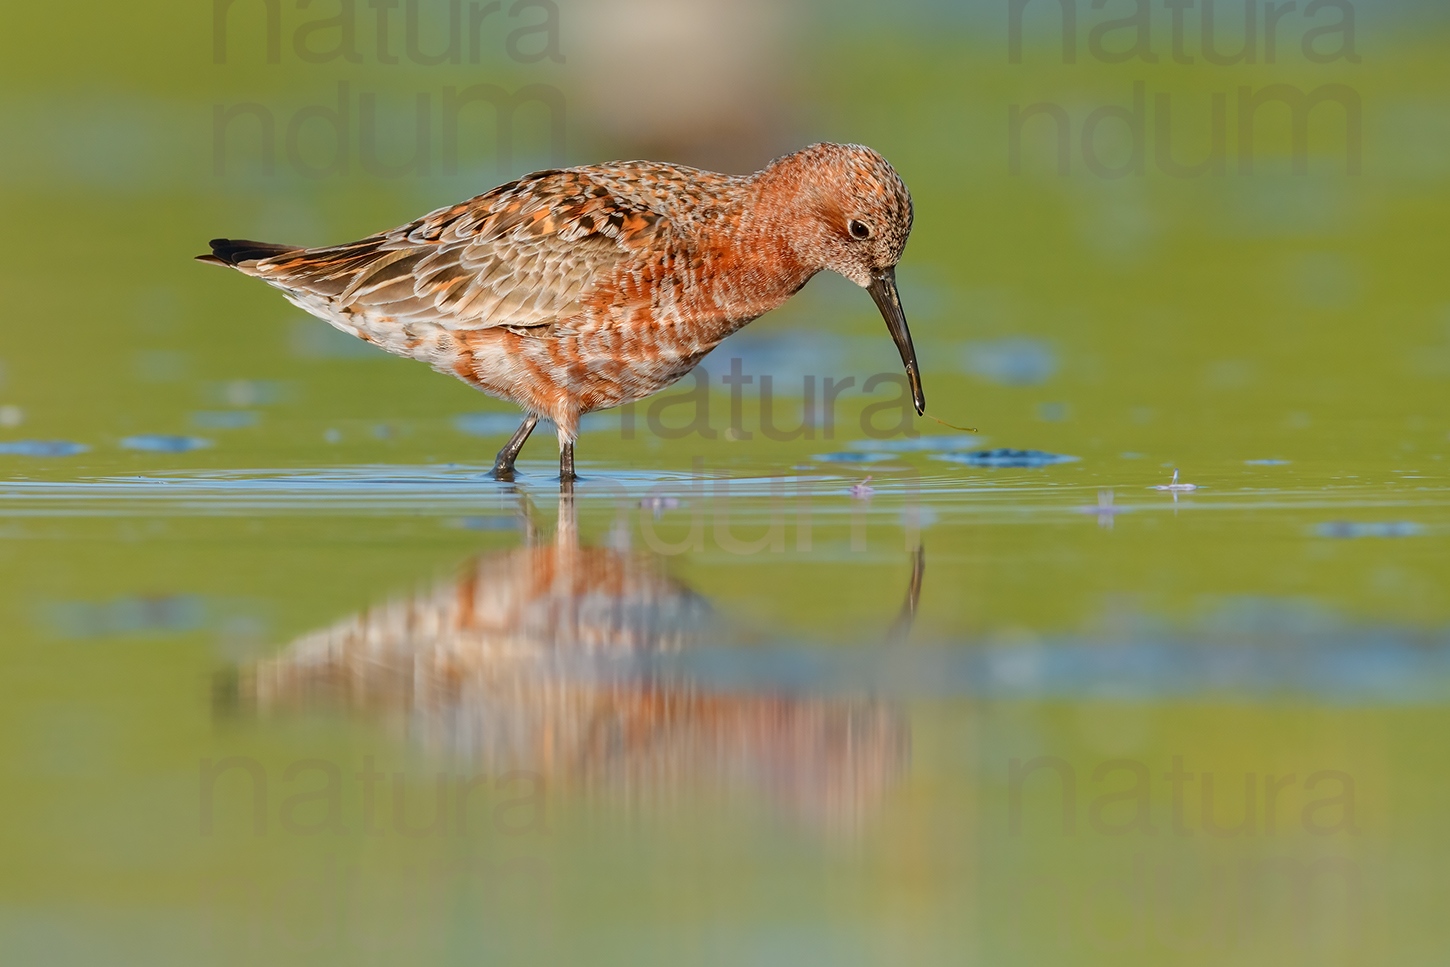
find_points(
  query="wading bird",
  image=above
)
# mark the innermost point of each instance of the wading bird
(574, 290)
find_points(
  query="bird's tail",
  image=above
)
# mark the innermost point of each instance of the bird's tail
(234, 251)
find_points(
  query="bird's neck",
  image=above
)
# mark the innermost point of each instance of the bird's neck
(763, 240)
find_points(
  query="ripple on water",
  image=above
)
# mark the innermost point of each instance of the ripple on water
(42, 448)
(1006, 457)
(165, 443)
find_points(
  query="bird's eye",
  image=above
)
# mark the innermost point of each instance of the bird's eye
(858, 230)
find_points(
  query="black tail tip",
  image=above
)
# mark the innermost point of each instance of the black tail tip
(235, 251)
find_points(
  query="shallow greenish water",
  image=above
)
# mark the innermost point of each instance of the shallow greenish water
(947, 714)
(286, 678)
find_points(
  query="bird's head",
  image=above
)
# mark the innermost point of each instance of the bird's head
(859, 207)
(857, 217)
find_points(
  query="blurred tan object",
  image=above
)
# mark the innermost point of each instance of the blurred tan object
(537, 659)
(699, 82)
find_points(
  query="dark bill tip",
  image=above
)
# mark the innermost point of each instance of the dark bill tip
(883, 291)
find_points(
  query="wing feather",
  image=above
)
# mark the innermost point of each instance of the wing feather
(523, 255)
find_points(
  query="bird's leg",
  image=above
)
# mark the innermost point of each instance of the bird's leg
(503, 464)
(566, 462)
(567, 423)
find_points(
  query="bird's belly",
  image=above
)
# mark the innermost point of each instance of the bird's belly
(581, 371)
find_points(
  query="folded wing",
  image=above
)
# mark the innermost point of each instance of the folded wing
(523, 255)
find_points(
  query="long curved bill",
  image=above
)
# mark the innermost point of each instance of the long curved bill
(883, 290)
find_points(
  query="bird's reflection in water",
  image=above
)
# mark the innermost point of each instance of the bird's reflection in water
(537, 659)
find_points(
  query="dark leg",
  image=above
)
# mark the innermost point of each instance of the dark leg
(503, 464)
(902, 626)
(566, 462)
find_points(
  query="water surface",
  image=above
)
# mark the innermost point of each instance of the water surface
(287, 679)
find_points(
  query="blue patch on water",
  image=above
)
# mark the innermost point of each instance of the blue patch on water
(42, 448)
(165, 614)
(1384, 669)
(225, 419)
(487, 424)
(1007, 457)
(919, 444)
(481, 523)
(165, 443)
(1353, 529)
(1011, 362)
(787, 358)
(1359, 665)
(495, 424)
(851, 457)
(242, 393)
(312, 339)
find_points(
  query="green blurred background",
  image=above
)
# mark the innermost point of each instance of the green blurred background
(822, 791)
